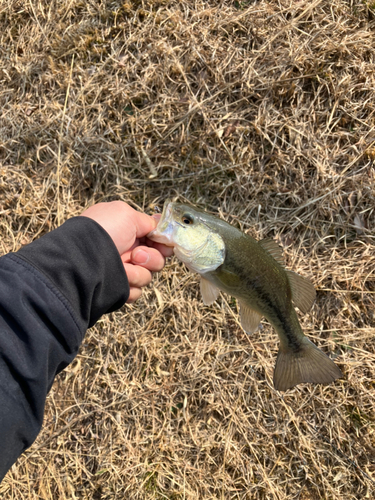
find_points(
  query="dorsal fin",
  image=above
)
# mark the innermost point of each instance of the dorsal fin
(273, 248)
(303, 291)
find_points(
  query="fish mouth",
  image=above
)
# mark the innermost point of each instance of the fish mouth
(164, 229)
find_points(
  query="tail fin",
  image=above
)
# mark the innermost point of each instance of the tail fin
(310, 364)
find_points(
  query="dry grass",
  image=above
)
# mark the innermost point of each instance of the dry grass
(262, 111)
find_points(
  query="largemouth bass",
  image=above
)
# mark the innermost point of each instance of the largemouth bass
(253, 272)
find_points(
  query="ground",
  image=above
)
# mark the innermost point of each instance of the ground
(262, 112)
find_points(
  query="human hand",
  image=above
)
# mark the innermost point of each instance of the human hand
(128, 229)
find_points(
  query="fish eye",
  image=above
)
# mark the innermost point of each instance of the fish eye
(187, 219)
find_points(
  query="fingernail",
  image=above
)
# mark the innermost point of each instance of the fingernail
(141, 257)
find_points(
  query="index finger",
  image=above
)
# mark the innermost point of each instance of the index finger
(163, 249)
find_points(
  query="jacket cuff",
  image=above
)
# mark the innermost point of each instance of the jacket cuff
(82, 261)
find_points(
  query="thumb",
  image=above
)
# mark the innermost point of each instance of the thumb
(144, 224)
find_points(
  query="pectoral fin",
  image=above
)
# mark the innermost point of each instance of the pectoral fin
(228, 278)
(303, 291)
(209, 291)
(249, 318)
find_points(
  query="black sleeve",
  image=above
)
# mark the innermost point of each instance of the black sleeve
(51, 291)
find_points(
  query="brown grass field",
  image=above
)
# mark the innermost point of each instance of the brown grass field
(262, 112)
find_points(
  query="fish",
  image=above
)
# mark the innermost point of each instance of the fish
(252, 271)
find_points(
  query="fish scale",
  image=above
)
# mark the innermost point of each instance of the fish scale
(231, 261)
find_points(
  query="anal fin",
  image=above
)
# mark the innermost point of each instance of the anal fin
(249, 318)
(303, 291)
(209, 292)
(309, 364)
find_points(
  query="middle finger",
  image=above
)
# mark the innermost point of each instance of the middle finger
(138, 276)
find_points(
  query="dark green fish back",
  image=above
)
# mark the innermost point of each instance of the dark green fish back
(253, 273)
